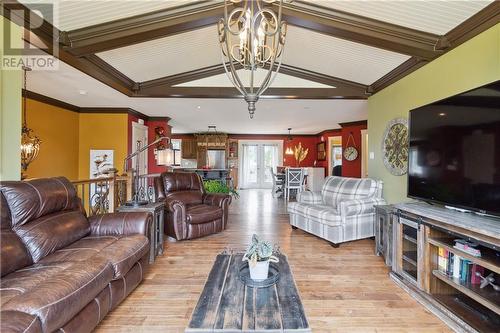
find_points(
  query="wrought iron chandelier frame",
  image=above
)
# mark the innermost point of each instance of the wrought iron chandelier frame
(261, 38)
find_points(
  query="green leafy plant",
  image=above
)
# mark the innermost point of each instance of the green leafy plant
(259, 250)
(215, 186)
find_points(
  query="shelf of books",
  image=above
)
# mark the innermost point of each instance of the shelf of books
(464, 278)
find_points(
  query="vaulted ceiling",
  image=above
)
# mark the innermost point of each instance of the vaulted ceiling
(334, 49)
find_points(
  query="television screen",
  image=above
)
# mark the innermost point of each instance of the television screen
(454, 153)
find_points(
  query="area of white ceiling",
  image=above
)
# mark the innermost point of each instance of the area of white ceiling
(280, 81)
(75, 14)
(194, 114)
(338, 57)
(167, 56)
(435, 16)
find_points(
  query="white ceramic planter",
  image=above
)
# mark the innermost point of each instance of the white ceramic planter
(259, 271)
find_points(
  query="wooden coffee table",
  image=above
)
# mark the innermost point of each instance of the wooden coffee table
(227, 305)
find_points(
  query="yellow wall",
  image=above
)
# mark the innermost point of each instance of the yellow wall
(472, 64)
(58, 130)
(10, 114)
(101, 131)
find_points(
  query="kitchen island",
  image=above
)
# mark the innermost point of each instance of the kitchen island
(221, 175)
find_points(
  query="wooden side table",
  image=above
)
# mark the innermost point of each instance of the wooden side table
(157, 209)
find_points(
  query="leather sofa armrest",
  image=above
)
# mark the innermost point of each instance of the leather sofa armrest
(217, 199)
(121, 224)
(360, 206)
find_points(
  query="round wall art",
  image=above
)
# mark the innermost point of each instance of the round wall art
(395, 146)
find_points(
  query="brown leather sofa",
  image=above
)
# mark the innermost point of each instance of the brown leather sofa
(62, 271)
(189, 211)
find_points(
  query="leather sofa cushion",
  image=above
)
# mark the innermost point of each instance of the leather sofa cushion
(15, 322)
(186, 197)
(52, 232)
(122, 252)
(181, 181)
(202, 213)
(14, 254)
(24, 280)
(35, 198)
(62, 295)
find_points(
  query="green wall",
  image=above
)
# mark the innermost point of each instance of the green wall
(10, 117)
(472, 64)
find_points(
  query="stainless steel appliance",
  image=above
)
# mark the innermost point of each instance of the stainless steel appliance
(216, 159)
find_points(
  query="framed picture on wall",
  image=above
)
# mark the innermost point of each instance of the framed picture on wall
(101, 163)
(321, 151)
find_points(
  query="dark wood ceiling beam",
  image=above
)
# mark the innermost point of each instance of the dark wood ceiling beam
(142, 28)
(361, 29)
(228, 92)
(206, 72)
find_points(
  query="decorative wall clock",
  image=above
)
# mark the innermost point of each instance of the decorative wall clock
(395, 146)
(350, 151)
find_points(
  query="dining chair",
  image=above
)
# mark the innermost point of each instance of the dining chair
(294, 181)
(277, 184)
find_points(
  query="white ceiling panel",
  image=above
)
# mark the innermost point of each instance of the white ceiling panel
(167, 56)
(337, 57)
(229, 115)
(434, 16)
(281, 81)
(75, 14)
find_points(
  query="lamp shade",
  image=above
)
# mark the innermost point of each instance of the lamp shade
(165, 157)
(289, 151)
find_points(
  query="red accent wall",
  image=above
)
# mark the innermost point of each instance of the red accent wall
(352, 168)
(151, 124)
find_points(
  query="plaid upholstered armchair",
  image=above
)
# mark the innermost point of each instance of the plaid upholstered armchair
(343, 210)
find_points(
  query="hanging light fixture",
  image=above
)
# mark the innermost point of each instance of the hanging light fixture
(252, 36)
(289, 150)
(30, 145)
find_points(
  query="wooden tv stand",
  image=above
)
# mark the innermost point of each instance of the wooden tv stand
(419, 230)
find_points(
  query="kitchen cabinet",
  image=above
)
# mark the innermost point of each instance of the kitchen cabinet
(189, 148)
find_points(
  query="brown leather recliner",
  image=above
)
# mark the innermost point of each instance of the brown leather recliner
(189, 211)
(59, 269)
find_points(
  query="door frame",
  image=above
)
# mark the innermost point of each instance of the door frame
(240, 155)
(137, 127)
(331, 140)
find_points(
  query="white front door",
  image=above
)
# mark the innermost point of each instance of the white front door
(140, 138)
(256, 162)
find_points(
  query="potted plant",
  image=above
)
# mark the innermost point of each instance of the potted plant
(215, 186)
(258, 255)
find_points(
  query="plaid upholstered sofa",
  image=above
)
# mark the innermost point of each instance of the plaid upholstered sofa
(343, 210)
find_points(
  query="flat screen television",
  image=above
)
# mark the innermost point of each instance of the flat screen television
(454, 152)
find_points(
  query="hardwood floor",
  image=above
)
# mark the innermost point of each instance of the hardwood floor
(345, 289)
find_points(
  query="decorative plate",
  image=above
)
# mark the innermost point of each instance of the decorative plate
(395, 146)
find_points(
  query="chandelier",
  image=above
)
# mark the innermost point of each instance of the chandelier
(252, 37)
(30, 145)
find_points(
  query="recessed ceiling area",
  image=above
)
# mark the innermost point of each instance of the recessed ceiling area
(437, 17)
(273, 116)
(166, 56)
